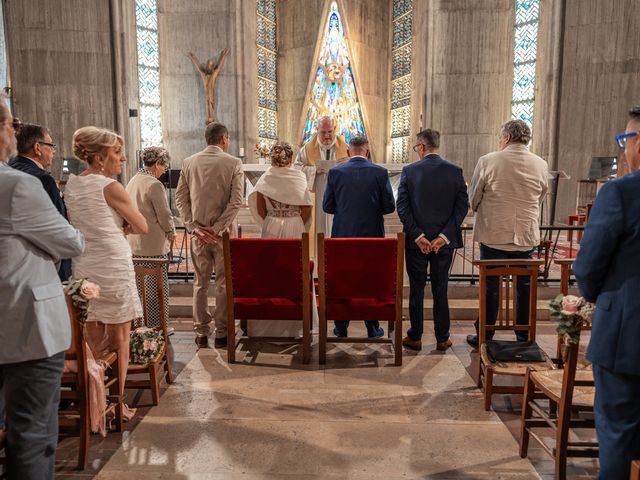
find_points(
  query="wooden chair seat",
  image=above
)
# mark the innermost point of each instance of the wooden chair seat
(516, 369)
(550, 383)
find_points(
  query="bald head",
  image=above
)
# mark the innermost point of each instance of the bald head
(326, 130)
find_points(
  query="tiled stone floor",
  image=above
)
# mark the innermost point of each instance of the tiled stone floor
(359, 417)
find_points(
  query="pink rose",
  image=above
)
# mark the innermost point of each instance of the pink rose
(89, 290)
(571, 304)
(146, 345)
(153, 346)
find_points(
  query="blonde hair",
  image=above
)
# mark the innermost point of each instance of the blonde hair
(281, 154)
(89, 142)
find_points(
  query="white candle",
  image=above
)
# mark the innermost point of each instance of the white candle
(242, 151)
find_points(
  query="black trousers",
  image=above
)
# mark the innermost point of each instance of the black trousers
(31, 393)
(438, 264)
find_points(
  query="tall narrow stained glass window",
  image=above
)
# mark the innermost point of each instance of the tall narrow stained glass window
(334, 89)
(4, 73)
(148, 72)
(402, 40)
(525, 47)
(267, 72)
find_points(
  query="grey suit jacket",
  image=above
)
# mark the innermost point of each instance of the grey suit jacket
(34, 322)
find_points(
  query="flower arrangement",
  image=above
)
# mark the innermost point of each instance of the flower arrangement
(570, 312)
(81, 291)
(145, 344)
(262, 151)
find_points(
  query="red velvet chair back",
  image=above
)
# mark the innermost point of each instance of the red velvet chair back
(361, 268)
(266, 268)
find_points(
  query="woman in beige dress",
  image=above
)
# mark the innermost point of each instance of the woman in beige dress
(101, 209)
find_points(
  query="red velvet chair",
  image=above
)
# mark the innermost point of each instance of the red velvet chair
(268, 279)
(361, 279)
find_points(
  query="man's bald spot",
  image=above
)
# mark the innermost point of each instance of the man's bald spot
(327, 122)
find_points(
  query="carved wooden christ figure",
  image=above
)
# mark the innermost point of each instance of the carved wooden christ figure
(209, 74)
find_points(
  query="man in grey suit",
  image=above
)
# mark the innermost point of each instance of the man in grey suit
(34, 325)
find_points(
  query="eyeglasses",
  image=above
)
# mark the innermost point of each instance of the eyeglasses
(415, 147)
(51, 145)
(622, 138)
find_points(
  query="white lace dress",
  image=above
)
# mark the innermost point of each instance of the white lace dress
(106, 260)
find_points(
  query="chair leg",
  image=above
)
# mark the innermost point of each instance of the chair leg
(562, 439)
(154, 383)
(168, 376)
(85, 426)
(306, 340)
(322, 342)
(488, 387)
(231, 341)
(527, 411)
(114, 391)
(244, 326)
(398, 342)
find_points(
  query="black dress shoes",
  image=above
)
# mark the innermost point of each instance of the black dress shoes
(472, 340)
(220, 342)
(202, 341)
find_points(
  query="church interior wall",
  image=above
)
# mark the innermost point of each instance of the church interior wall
(600, 81)
(205, 27)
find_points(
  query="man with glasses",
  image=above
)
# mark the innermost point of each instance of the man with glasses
(35, 155)
(432, 203)
(608, 272)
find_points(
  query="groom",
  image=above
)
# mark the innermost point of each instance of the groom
(358, 194)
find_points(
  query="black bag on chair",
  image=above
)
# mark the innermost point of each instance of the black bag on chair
(514, 351)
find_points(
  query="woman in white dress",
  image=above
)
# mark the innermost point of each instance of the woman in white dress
(281, 203)
(100, 208)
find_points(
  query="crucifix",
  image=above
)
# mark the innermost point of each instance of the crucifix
(209, 74)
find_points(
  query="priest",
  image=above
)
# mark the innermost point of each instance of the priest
(315, 158)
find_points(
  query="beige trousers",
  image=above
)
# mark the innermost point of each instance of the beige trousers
(206, 259)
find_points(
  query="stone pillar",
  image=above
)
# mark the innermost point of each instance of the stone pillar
(67, 67)
(463, 73)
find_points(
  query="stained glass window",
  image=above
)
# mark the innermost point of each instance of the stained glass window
(148, 72)
(267, 72)
(401, 81)
(334, 90)
(4, 77)
(524, 59)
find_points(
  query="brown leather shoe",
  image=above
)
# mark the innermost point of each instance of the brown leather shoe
(202, 341)
(220, 342)
(412, 344)
(442, 346)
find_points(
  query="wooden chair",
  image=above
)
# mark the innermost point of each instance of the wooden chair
(570, 392)
(268, 279)
(506, 271)
(361, 279)
(75, 388)
(146, 270)
(635, 470)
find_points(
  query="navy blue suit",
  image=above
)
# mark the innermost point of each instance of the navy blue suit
(432, 200)
(358, 194)
(608, 272)
(49, 184)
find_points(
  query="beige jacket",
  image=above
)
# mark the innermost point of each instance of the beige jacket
(210, 190)
(150, 197)
(506, 191)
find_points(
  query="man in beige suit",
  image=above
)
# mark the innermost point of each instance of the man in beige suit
(208, 197)
(505, 193)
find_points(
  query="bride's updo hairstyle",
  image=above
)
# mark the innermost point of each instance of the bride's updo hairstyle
(281, 154)
(91, 142)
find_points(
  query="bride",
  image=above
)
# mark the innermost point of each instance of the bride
(280, 202)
